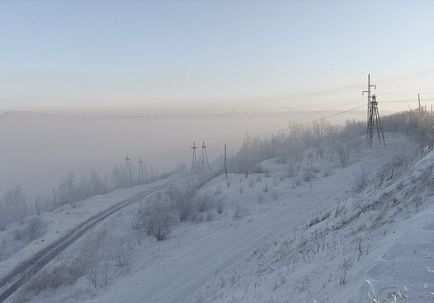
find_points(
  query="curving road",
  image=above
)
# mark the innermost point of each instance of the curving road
(12, 281)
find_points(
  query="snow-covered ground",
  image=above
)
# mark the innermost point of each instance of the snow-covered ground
(376, 246)
(57, 223)
(274, 237)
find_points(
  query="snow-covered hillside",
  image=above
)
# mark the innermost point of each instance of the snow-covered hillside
(376, 246)
(321, 234)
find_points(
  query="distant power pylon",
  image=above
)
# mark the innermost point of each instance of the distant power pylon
(204, 160)
(373, 123)
(128, 171)
(225, 162)
(194, 162)
(140, 172)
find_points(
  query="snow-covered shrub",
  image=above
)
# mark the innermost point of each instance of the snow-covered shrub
(50, 278)
(241, 189)
(100, 273)
(155, 220)
(210, 216)
(326, 172)
(297, 182)
(197, 217)
(33, 228)
(392, 168)
(201, 203)
(308, 174)
(239, 211)
(181, 201)
(101, 257)
(219, 206)
(360, 181)
(417, 201)
(121, 253)
(218, 191)
(291, 170)
(31, 231)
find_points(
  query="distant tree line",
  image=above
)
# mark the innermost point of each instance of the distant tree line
(300, 142)
(15, 205)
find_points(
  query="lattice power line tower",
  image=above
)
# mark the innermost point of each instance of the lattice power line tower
(373, 122)
(141, 172)
(128, 171)
(204, 159)
(194, 163)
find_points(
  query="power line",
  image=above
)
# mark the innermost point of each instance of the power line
(407, 100)
(266, 130)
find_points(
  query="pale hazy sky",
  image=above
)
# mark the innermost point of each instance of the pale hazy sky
(213, 55)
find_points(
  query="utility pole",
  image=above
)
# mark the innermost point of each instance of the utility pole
(204, 159)
(140, 173)
(369, 100)
(226, 167)
(194, 160)
(418, 99)
(128, 171)
(373, 122)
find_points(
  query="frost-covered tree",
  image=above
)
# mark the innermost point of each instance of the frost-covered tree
(119, 177)
(67, 190)
(155, 220)
(13, 206)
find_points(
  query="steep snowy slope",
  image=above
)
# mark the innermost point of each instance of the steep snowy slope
(376, 246)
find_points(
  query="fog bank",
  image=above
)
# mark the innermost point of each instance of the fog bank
(39, 149)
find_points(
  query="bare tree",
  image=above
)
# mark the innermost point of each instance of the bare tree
(361, 181)
(343, 152)
(119, 177)
(182, 201)
(155, 220)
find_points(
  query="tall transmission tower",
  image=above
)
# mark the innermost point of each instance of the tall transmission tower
(140, 172)
(128, 171)
(194, 162)
(373, 122)
(204, 159)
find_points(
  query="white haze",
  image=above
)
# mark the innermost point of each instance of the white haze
(39, 149)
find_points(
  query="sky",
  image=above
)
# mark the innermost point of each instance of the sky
(213, 56)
